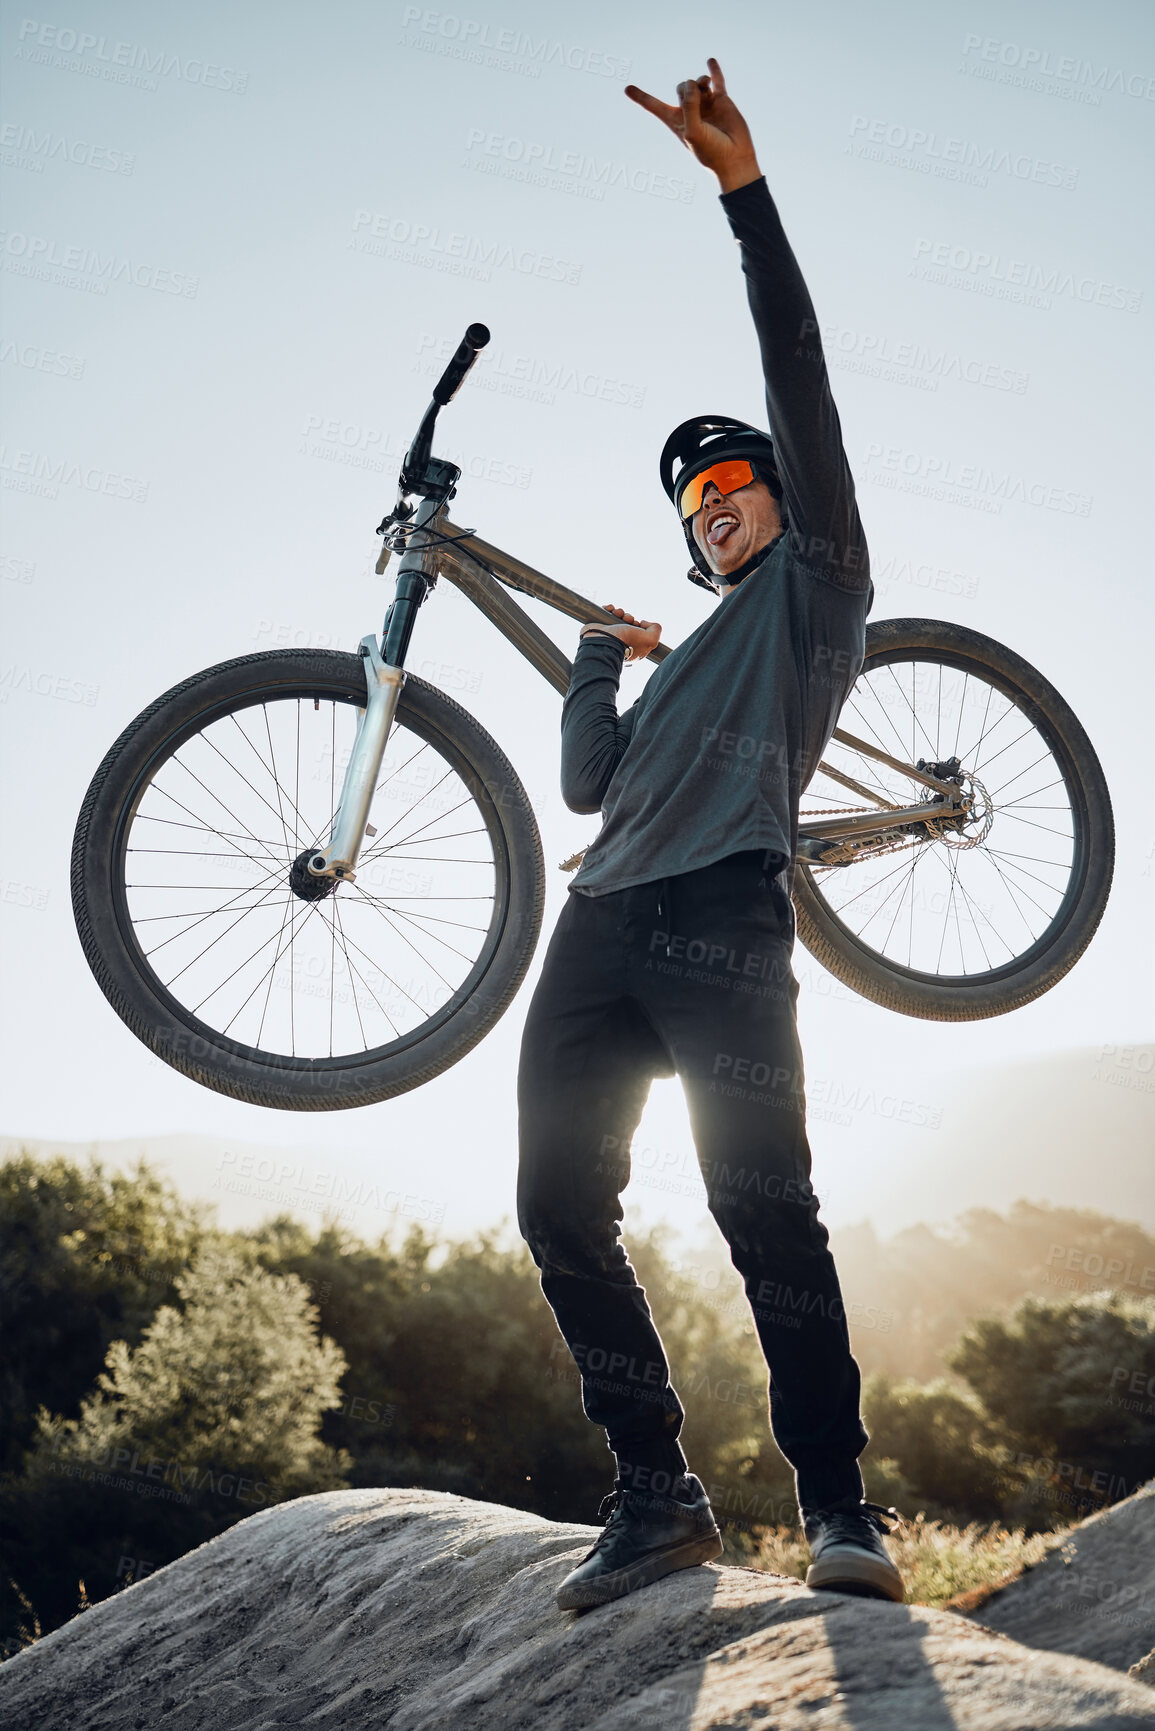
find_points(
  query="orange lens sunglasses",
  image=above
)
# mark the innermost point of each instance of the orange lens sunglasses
(727, 477)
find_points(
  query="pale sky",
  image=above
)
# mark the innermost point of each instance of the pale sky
(229, 414)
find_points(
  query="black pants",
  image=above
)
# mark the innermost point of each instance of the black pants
(688, 976)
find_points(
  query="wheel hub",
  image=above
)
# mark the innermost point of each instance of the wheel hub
(974, 826)
(307, 885)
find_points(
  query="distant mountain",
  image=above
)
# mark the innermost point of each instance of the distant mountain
(1075, 1128)
(249, 1182)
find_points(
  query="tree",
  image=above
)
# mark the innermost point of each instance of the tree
(910, 1297)
(85, 1259)
(936, 1437)
(214, 1415)
(458, 1379)
(1069, 1389)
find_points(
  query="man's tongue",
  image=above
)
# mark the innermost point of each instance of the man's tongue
(720, 530)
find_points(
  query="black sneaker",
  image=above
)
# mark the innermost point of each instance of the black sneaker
(849, 1555)
(644, 1538)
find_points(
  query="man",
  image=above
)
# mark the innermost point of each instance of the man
(673, 953)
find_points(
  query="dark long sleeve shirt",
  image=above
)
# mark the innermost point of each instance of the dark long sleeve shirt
(715, 753)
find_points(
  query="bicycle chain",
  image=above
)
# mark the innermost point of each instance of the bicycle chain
(840, 856)
(574, 860)
(848, 853)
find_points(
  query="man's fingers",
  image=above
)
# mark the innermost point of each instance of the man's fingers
(691, 96)
(671, 116)
(716, 75)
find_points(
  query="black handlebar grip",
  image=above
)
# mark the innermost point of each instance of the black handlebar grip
(472, 343)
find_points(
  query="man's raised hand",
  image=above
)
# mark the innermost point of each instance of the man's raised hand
(640, 636)
(708, 122)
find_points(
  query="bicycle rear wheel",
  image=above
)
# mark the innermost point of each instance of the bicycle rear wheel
(960, 921)
(221, 959)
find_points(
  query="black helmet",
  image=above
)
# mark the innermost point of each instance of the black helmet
(694, 446)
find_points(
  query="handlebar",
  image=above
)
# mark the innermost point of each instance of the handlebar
(421, 472)
(417, 458)
(470, 347)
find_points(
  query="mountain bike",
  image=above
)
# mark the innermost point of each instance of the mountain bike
(312, 881)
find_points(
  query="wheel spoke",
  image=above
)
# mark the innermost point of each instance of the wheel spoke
(209, 829)
(298, 919)
(177, 760)
(213, 913)
(353, 971)
(947, 902)
(272, 970)
(382, 902)
(220, 937)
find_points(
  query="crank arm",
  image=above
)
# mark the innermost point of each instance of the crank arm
(339, 859)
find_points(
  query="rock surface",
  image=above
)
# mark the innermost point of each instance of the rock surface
(419, 1611)
(1093, 1595)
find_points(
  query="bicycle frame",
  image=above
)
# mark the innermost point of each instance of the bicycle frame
(437, 547)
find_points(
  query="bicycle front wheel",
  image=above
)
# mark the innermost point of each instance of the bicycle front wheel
(219, 955)
(962, 920)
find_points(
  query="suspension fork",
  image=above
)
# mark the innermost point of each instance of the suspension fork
(384, 678)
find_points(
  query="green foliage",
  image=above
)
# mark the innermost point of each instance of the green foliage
(938, 1561)
(1068, 1388)
(935, 1437)
(213, 1415)
(910, 1297)
(458, 1379)
(242, 1368)
(85, 1259)
(234, 1377)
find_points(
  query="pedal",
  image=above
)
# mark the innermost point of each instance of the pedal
(573, 862)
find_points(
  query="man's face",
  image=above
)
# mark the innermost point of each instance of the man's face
(730, 528)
